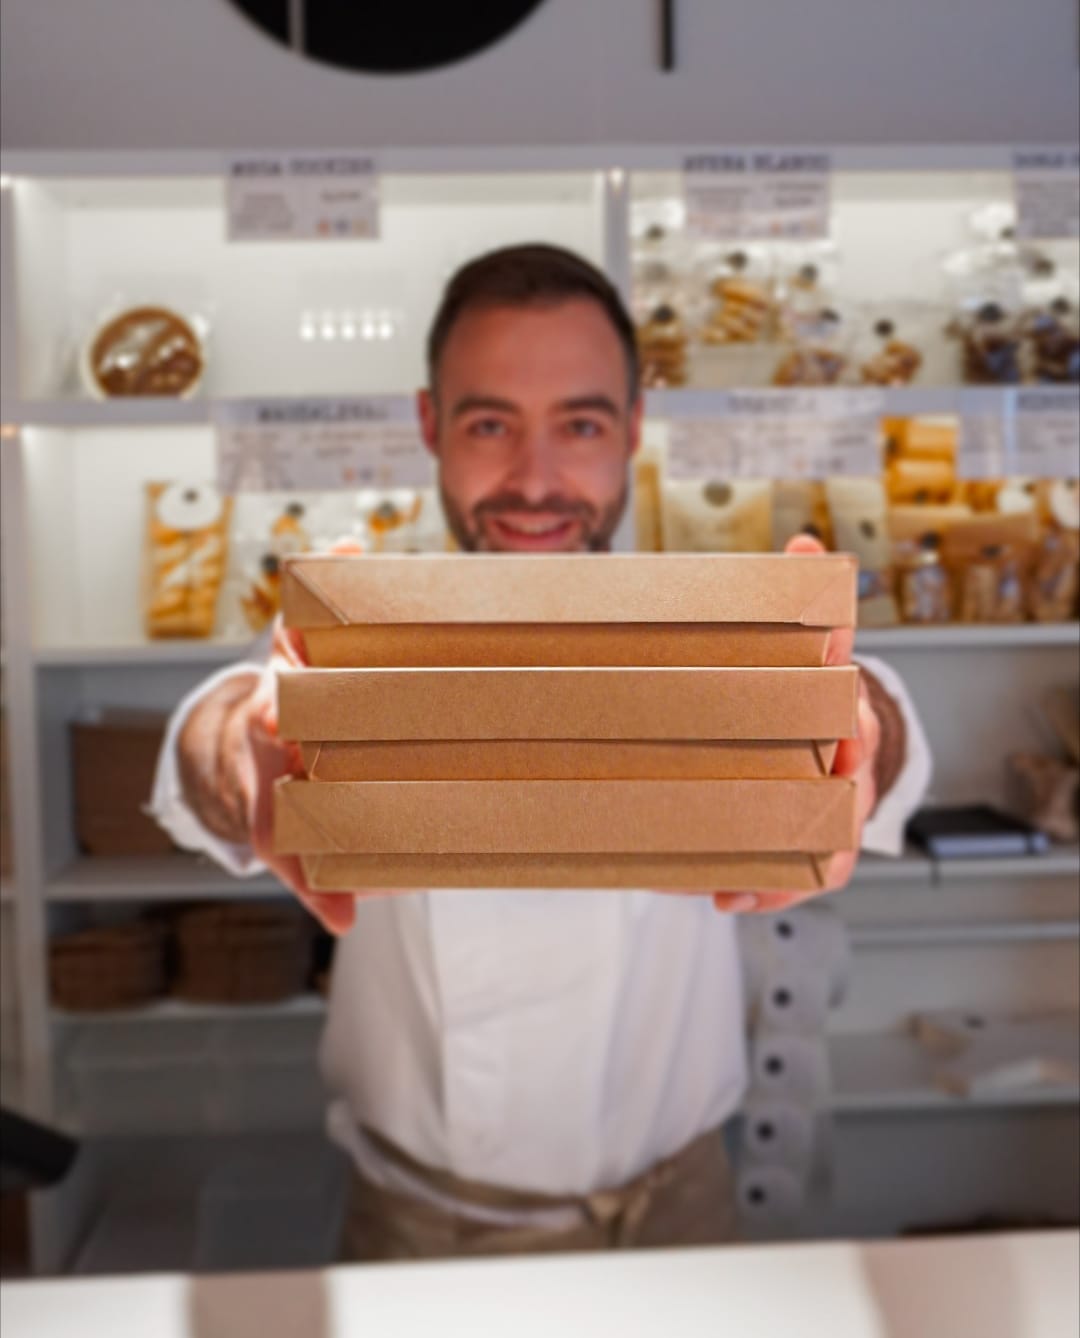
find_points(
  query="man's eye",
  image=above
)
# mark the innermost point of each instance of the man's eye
(584, 427)
(487, 427)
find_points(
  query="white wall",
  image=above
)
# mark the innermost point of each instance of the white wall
(131, 74)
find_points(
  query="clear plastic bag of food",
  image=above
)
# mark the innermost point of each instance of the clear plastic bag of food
(662, 344)
(859, 517)
(989, 556)
(923, 585)
(187, 531)
(717, 516)
(739, 289)
(821, 356)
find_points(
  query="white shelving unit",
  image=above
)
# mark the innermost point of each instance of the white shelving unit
(81, 231)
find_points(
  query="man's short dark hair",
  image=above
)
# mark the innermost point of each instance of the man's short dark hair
(526, 276)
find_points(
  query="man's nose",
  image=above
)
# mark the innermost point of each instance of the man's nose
(535, 470)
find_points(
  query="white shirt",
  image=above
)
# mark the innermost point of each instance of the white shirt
(549, 1040)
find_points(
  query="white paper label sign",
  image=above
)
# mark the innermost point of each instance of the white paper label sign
(1047, 432)
(740, 195)
(1046, 184)
(302, 197)
(320, 445)
(781, 434)
(985, 446)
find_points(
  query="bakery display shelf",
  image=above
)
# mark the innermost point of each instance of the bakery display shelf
(158, 878)
(141, 412)
(163, 652)
(876, 1074)
(897, 401)
(968, 636)
(177, 1010)
(973, 932)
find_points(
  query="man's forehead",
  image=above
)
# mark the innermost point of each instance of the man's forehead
(567, 348)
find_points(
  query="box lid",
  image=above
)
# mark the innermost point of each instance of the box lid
(327, 705)
(809, 590)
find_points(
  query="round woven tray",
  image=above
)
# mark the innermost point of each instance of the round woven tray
(120, 966)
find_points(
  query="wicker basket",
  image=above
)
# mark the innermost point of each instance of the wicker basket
(120, 966)
(241, 954)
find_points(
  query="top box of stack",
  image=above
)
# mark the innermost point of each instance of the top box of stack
(511, 610)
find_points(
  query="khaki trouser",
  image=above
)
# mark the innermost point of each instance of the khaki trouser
(687, 1199)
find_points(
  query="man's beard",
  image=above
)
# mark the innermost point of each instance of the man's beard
(596, 527)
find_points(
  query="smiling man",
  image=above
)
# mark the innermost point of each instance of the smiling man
(522, 1070)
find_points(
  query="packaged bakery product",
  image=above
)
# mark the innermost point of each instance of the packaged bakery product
(923, 584)
(662, 341)
(187, 528)
(1054, 575)
(717, 516)
(806, 286)
(144, 351)
(990, 339)
(817, 361)
(799, 507)
(889, 359)
(744, 308)
(1053, 336)
(858, 513)
(262, 555)
(988, 557)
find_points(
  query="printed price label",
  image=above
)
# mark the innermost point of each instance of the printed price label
(1046, 185)
(319, 445)
(748, 196)
(1047, 433)
(781, 434)
(302, 197)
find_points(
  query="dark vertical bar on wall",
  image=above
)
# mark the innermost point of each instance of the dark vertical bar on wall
(297, 25)
(667, 34)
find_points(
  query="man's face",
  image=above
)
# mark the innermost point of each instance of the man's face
(533, 425)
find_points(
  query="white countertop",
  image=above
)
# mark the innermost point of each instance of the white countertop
(1007, 1286)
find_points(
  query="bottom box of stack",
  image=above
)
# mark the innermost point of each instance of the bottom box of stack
(674, 835)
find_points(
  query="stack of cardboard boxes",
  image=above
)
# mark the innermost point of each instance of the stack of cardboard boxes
(639, 721)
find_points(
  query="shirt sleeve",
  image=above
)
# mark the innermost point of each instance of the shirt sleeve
(167, 803)
(883, 833)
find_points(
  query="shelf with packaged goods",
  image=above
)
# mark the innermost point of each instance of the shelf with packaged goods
(148, 412)
(891, 1074)
(896, 402)
(143, 653)
(871, 640)
(176, 1010)
(160, 878)
(968, 636)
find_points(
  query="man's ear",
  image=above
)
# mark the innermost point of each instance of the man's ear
(637, 415)
(429, 420)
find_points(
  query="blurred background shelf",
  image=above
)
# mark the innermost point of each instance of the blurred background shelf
(164, 878)
(884, 1074)
(177, 1010)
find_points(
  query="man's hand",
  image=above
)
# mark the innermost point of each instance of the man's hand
(230, 756)
(857, 758)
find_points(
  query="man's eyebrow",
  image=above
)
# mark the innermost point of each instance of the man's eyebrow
(599, 403)
(468, 403)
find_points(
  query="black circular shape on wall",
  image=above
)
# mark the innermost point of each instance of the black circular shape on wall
(387, 36)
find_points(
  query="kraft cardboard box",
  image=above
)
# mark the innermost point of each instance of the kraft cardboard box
(564, 609)
(650, 817)
(352, 705)
(659, 873)
(566, 759)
